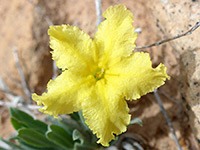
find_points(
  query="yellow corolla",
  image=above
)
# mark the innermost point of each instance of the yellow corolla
(98, 75)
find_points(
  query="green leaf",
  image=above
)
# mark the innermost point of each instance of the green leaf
(87, 134)
(76, 135)
(17, 124)
(78, 146)
(82, 119)
(71, 123)
(34, 138)
(20, 115)
(75, 116)
(68, 128)
(1, 148)
(59, 136)
(136, 121)
(25, 119)
(26, 146)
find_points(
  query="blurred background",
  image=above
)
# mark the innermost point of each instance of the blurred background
(24, 44)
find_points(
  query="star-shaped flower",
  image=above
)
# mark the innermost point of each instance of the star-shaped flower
(100, 74)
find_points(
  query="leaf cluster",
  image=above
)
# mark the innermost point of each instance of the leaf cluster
(66, 133)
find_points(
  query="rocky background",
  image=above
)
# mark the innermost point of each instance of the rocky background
(24, 27)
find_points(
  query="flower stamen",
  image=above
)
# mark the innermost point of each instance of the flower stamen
(99, 73)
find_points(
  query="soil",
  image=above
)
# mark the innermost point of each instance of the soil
(24, 27)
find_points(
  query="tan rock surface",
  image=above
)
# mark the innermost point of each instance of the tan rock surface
(17, 30)
(175, 17)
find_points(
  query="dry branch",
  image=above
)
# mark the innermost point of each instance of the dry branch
(21, 73)
(167, 118)
(170, 39)
(98, 12)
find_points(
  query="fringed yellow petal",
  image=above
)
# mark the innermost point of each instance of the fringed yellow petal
(135, 76)
(115, 37)
(100, 74)
(72, 48)
(64, 94)
(105, 117)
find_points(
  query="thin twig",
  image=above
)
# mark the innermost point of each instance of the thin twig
(7, 104)
(21, 73)
(169, 97)
(55, 73)
(98, 12)
(7, 92)
(10, 104)
(167, 119)
(50, 23)
(15, 99)
(5, 89)
(13, 80)
(170, 39)
(40, 10)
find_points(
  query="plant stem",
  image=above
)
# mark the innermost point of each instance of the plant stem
(98, 12)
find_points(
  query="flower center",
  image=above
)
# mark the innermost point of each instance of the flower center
(99, 73)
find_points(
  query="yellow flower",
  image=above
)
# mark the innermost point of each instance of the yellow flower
(99, 74)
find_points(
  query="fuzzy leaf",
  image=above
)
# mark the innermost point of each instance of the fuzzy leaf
(78, 146)
(59, 136)
(75, 116)
(136, 121)
(27, 120)
(34, 138)
(71, 123)
(17, 124)
(30, 147)
(78, 136)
